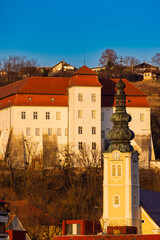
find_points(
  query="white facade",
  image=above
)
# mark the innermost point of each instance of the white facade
(84, 116)
(51, 112)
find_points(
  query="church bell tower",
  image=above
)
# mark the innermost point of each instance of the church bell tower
(121, 171)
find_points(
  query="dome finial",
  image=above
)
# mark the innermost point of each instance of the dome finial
(120, 135)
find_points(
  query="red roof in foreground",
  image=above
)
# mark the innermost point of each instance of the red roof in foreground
(40, 91)
(36, 85)
(109, 237)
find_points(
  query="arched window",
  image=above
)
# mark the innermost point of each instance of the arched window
(119, 170)
(116, 200)
(113, 170)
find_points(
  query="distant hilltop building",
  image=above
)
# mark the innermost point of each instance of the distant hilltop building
(40, 114)
(61, 66)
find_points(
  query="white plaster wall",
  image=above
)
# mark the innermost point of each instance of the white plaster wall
(5, 127)
(11, 117)
(87, 122)
(137, 126)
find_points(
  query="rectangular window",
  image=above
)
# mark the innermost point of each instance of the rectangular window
(58, 131)
(28, 131)
(58, 115)
(49, 131)
(23, 115)
(79, 130)
(103, 134)
(37, 131)
(93, 145)
(35, 115)
(47, 115)
(79, 145)
(93, 113)
(66, 131)
(80, 96)
(102, 116)
(79, 113)
(93, 97)
(93, 130)
(142, 117)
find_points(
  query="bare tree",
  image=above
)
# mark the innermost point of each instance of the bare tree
(109, 55)
(156, 59)
(32, 153)
(130, 61)
(12, 67)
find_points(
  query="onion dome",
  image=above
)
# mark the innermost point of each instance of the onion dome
(120, 135)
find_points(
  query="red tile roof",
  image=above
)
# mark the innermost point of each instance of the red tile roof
(109, 87)
(85, 71)
(134, 96)
(36, 85)
(84, 80)
(40, 91)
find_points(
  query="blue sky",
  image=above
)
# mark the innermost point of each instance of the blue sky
(53, 30)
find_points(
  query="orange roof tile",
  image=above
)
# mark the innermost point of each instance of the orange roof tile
(85, 71)
(84, 80)
(134, 96)
(40, 91)
(36, 85)
(109, 88)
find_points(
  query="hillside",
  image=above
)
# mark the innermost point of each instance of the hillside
(152, 89)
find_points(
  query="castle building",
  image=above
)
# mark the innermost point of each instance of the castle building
(38, 114)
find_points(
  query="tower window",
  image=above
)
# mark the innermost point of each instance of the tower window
(23, 115)
(58, 131)
(58, 115)
(93, 113)
(93, 145)
(142, 117)
(47, 115)
(28, 131)
(79, 130)
(93, 130)
(80, 96)
(119, 170)
(113, 170)
(93, 97)
(66, 131)
(49, 131)
(79, 113)
(79, 145)
(116, 200)
(35, 115)
(37, 131)
(116, 170)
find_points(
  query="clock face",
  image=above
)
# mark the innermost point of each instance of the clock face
(116, 155)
